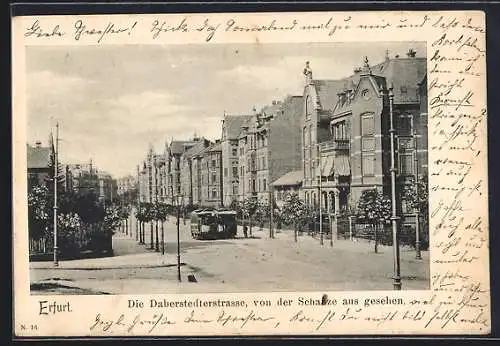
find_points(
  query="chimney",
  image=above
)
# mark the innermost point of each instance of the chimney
(38, 144)
(411, 53)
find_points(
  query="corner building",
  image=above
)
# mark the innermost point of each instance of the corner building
(345, 132)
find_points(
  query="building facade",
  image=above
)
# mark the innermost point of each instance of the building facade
(211, 177)
(190, 173)
(231, 127)
(288, 183)
(269, 146)
(126, 184)
(346, 148)
(39, 165)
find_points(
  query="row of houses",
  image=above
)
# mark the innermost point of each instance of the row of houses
(328, 143)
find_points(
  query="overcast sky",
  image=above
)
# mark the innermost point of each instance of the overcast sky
(112, 101)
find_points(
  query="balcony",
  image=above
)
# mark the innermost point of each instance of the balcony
(335, 144)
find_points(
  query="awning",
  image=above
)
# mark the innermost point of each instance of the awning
(342, 166)
(327, 166)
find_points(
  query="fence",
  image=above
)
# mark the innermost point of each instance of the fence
(406, 234)
(73, 244)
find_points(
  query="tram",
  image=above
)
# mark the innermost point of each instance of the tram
(213, 224)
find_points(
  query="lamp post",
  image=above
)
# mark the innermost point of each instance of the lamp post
(178, 200)
(394, 218)
(320, 196)
(418, 254)
(56, 173)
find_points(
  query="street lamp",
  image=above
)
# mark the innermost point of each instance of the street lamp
(418, 254)
(320, 193)
(179, 199)
(56, 174)
(394, 218)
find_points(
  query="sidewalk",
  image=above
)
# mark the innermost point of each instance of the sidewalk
(149, 259)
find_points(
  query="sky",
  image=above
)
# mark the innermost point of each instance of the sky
(112, 102)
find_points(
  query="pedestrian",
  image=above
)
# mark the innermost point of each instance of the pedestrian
(245, 231)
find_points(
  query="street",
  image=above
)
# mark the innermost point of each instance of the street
(234, 265)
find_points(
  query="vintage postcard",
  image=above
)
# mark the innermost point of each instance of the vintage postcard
(250, 174)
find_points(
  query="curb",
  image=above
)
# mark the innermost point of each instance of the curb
(135, 266)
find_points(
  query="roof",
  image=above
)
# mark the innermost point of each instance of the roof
(215, 147)
(197, 147)
(290, 178)
(232, 124)
(405, 73)
(38, 157)
(178, 147)
(272, 109)
(327, 92)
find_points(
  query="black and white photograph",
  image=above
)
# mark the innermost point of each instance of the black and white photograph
(227, 168)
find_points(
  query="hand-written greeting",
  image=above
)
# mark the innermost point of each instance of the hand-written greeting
(428, 313)
(210, 28)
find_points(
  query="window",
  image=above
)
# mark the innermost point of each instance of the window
(214, 193)
(308, 107)
(264, 183)
(214, 178)
(404, 126)
(214, 163)
(405, 156)
(258, 183)
(368, 163)
(405, 163)
(339, 131)
(367, 125)
(235, 172)
(234, 151)
(235, 189)
(368, 144)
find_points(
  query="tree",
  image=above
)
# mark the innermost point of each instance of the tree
(375, 209)
(416, 197)
(140, 214)
(262, 212)
(294, 212)
(162, 216)
(249, 207)
(149, 217)
(39, 212)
